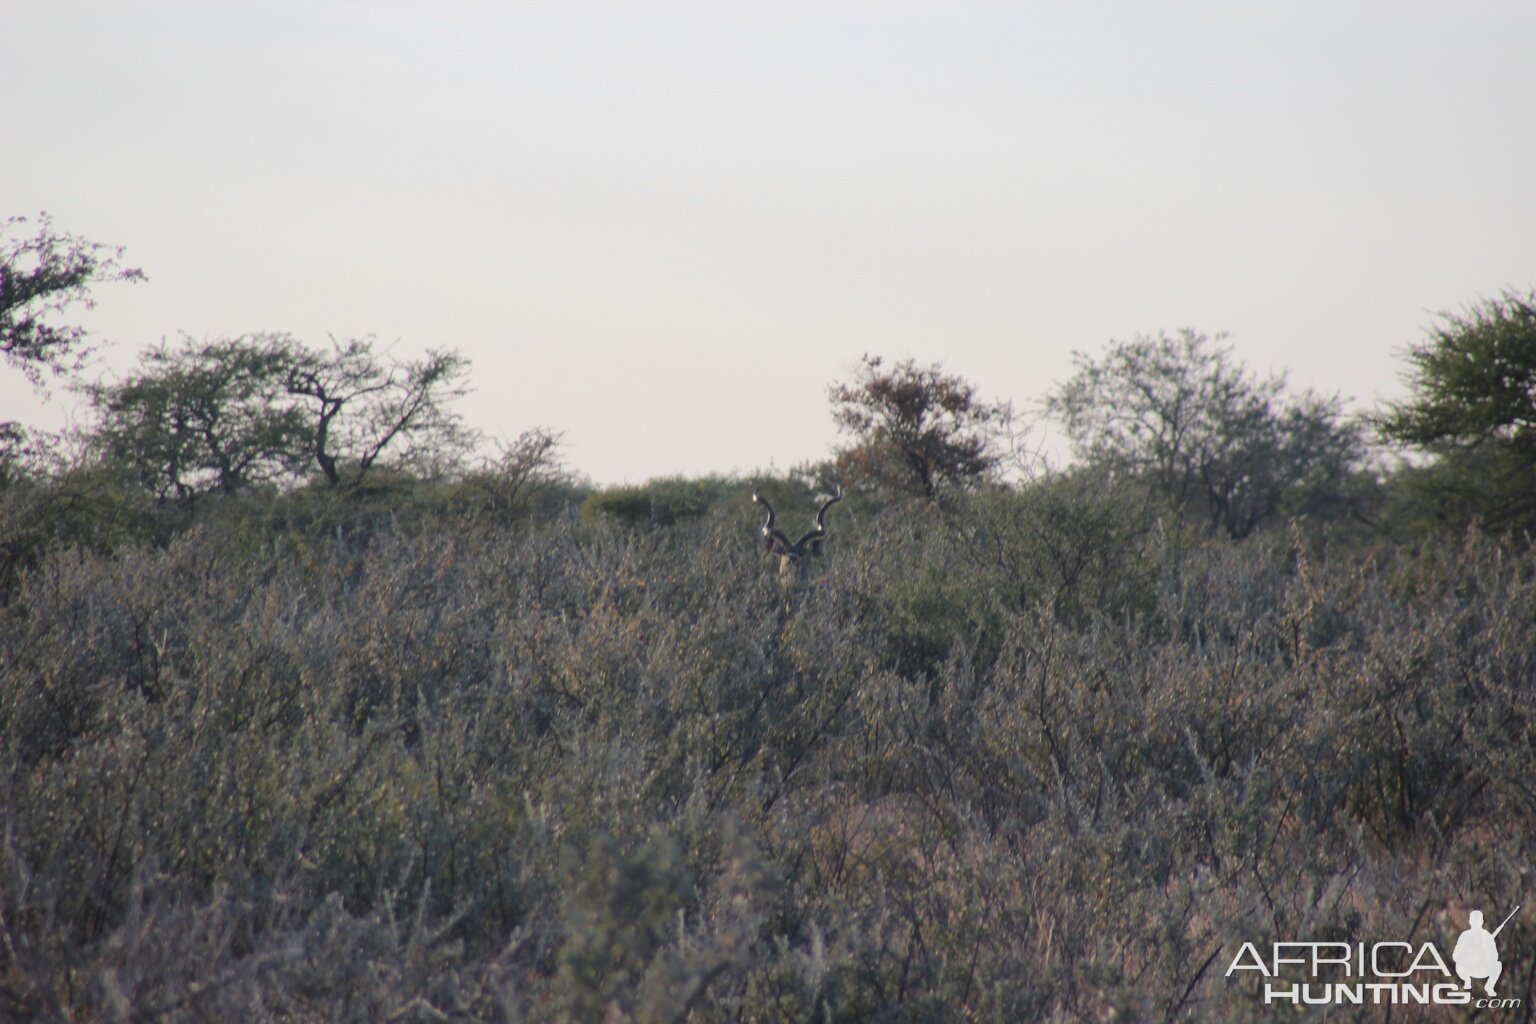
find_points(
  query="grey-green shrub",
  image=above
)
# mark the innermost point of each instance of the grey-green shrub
(431, 770)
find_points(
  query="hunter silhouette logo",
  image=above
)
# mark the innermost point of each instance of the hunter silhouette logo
(1381, 973)
(1476, 955)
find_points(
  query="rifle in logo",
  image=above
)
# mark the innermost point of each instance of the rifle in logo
(1476, 955)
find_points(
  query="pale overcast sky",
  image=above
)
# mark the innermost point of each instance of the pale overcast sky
(664, 228)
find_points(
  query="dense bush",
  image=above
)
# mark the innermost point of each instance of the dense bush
(660, 502)
(1035, 756)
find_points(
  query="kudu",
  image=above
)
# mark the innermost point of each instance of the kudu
(795, 559)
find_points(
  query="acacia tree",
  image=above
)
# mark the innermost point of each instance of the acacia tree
(42, 273)
(220, 416)
(358, 406)
(1181, 413)
(1473, 404)
(203, 417)
(915, 428)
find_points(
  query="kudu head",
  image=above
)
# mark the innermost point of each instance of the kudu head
(795, 558)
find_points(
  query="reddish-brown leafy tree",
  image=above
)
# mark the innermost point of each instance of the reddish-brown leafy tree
(916, 429)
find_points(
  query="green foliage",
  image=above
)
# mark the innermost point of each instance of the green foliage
(1209, 439)
(931, 599)
(1475, 379)
(664, 501)
(630, 505)
(204, 418)
(51, 499)
(1474, 407)
(1080, 543)
(222, 417)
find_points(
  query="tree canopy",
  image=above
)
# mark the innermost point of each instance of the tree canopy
(1182, 413)
(1473, 403)
(358, 405)
(206, 417)
(916, 429)
(42, 273)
